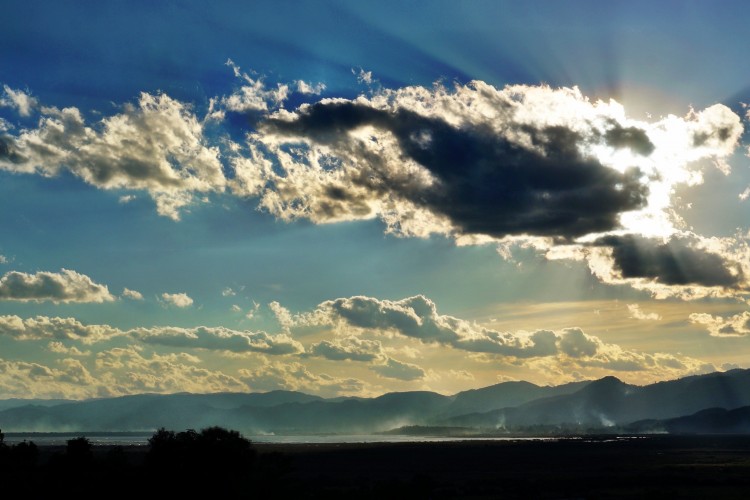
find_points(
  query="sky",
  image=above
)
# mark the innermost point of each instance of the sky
(352, 198)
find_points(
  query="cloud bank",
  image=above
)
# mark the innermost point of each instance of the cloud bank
(417, 318)
(530, 164)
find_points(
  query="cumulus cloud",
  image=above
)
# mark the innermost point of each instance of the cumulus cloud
(156, 145)
(43, 327)
(132, 294)
(349, 348)
(218, 338)
(636, 312)
(21, 101)
(3, 259)
(417, 317)
(400, 370)
(477, 160)
(60, 348)
(65, 286)
(353, 348)
(181, 300)
(737, 325)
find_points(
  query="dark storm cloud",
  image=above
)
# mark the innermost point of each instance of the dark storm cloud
(486, 183)
(676, 262)
(634, 138)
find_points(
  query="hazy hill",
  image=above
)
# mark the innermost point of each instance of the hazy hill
(505, 394)
(708, 421)
(608, 402)
(511, 405)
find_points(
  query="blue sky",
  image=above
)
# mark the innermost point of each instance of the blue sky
(354, 198)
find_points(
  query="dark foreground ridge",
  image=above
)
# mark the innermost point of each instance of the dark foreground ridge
(218, 463)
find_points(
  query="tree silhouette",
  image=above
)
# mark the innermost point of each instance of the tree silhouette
(78, 451)
(214, 457)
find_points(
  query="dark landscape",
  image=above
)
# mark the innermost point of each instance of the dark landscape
(591, 467)
(595, 439)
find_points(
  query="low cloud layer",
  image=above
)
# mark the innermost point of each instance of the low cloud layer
(218, 338)
(65, 286)
(207, 338)
(417, 318)
(297, 377)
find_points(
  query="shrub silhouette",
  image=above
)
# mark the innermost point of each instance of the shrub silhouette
(24, 454)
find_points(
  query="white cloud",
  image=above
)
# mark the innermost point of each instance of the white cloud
(156, 145)
(3, 259)
(181, 300)
(43, 327)
(393, 368)
(363, 76)
(132, 294)
(737, 325)
(218, 338)
(18, 99)
(253, 311)
(228, 292)
(60, 348)
(124, 199)
(309, 88)
(65, 286)
(636, 312)
(254, 95)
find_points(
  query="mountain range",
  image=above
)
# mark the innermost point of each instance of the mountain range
(713, 402)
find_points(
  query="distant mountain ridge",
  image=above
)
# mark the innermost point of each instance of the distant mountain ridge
(507, 406)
